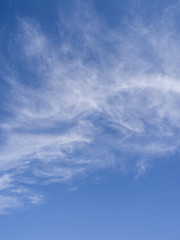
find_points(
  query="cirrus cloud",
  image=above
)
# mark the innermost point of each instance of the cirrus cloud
(91, 99)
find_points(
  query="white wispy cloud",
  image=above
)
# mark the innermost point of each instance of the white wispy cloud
(96, 98)
(8, 202)
(5, 181)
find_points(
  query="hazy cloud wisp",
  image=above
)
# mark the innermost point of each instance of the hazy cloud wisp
(101, 98)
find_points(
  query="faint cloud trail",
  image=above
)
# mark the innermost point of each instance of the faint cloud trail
(102, 98)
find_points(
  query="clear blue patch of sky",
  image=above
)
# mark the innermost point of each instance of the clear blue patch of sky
(117, 207)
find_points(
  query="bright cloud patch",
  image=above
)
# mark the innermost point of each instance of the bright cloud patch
(91, 99)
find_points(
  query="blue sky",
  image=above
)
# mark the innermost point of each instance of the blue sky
(90, 121)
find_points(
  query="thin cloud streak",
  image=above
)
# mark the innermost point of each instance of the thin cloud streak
(98, 100)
